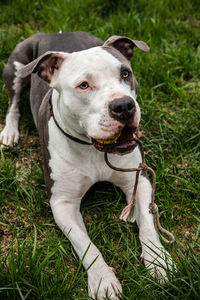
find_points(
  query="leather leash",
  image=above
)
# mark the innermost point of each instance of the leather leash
(129, 212)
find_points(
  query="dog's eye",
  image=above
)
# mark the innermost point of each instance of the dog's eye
(125, 73)
(84, 85)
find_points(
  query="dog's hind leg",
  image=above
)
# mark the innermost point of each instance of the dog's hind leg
(14, 85)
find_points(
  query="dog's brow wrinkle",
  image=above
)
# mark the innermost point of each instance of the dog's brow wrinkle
(123, 66)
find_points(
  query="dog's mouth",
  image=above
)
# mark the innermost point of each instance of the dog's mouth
(122, 143)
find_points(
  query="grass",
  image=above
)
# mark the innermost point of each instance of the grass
(37, 261)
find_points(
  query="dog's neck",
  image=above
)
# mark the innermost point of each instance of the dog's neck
(66, 120)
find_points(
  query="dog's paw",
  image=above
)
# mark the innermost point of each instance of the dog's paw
(103, 284)
(158, 261)
(9, 136)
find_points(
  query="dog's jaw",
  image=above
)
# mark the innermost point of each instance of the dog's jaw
(125, 143)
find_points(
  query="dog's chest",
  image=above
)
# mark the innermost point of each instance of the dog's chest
(76, 167)
(82, 159)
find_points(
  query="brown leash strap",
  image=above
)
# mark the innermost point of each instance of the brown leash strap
(129, 212)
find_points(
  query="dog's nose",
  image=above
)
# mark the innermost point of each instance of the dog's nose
(122, 109)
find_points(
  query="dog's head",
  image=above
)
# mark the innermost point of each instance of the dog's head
(98, 90)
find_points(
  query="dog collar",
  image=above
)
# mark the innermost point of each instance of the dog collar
(75, 139)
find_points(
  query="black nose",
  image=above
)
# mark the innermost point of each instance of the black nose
(122, 109)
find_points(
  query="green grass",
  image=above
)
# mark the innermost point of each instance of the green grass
(37, 261)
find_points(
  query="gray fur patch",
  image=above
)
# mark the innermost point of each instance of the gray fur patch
(125, 64)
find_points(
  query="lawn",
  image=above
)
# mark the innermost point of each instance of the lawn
(36, 259)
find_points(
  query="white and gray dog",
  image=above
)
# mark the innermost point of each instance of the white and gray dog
(83, 100)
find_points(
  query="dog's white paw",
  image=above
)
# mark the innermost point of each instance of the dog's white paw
(9, 136)
(103, 284)
(158, 261)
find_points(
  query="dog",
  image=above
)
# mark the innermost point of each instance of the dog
(83, 101)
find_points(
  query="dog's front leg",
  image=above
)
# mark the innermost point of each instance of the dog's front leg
(155, 257)
(102, 281)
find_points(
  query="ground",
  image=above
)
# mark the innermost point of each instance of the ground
(37, 262)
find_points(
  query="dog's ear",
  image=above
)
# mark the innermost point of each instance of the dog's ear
(46, 66)
(125, 45)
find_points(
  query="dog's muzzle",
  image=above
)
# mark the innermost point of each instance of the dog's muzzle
(123, 110)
